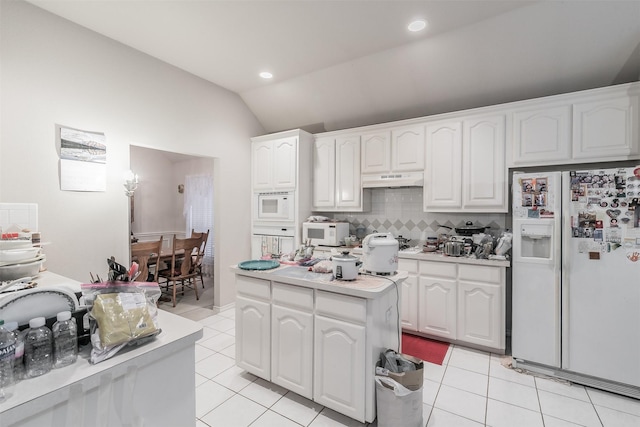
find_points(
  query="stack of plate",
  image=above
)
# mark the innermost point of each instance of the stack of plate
(18, 258)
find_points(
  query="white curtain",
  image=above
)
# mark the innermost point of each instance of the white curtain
(198, 212)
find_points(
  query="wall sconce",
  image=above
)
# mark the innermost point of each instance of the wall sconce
(130, 183)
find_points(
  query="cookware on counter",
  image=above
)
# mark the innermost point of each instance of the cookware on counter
(345, 266)
(467, 230)
(380, 254)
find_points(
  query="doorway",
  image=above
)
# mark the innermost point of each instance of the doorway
(158, 209)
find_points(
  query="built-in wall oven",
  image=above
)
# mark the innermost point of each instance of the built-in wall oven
(274, 206)
(270, 241)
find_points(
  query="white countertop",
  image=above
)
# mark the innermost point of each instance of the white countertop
(429, 256)
(177, 333)
(365, 286)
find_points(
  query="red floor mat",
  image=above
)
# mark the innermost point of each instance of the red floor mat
(424, 348)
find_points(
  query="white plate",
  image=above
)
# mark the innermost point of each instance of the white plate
(15, 244)
(31, 303)
(18, 255)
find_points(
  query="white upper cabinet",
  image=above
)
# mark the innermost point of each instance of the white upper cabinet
(399, 149)
(589, 126)
(274, 164)
(336, 174)
(465, 167)
(483, 166)
(542, 135)
(376, 152)
(605, 128)
(443, 175)
(407, 148)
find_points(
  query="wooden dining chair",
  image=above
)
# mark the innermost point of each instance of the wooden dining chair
(185, 255)
(142, 253)
(204, 237)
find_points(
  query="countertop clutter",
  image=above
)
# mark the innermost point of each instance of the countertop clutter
(55, 398)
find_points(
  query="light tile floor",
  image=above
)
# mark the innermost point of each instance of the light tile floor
(471, 388)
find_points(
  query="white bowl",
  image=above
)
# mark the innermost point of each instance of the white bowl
(17, 271)
(17, 255)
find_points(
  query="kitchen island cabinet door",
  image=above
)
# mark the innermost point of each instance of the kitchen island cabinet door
(339, 374)
(253, 336)
(437, 302)
(292, 349)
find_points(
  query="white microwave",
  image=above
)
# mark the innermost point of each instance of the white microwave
(274, 206)
(325, 233)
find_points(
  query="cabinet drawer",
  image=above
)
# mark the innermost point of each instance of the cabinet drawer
(438, 269)
(408, 265)
(258, 288)
(480, 273)
(292, 296)
(341, 306)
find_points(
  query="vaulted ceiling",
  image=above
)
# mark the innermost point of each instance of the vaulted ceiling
(340, 64)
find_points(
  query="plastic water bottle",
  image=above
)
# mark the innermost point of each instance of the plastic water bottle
(37, 348)
(18, 363)
(65, 340)
(7, 353)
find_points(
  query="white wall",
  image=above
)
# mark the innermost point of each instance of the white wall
(55, 72)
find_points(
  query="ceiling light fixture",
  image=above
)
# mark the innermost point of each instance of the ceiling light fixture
(266, 75)
(417, 25)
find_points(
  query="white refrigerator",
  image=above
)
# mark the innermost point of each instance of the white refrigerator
(576, 276)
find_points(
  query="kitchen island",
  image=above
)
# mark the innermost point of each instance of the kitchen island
(122, 390)
(318, 337)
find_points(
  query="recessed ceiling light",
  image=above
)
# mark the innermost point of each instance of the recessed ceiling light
(417, 25)
(266, 75)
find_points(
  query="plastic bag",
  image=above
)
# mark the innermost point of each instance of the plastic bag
(120, 314)
(397, 405)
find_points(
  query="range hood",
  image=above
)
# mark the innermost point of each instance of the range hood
(400, 179)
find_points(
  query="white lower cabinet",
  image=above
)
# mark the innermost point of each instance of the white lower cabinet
(253, 351)
(460, 302)
(339, 373)
(409, 308)
(437, 306)
(292, 338)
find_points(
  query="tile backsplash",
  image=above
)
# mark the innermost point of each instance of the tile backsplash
(399, 211)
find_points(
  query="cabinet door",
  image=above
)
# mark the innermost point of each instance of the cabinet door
(376, 152)
(483, 166)
(480, 313)
(292, 349)
(253, 336)
(542, 136)
(437, 306)
(407, 148)
(348, 185)
(409, 308)
(285, 158)
(443, 173)
(339, 374)
(606, 128)
(262, 165)
(324, 173)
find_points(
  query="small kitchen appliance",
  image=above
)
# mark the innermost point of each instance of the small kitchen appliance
(274, 206)
(345, 266)
(380, 254)
(325, 233)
